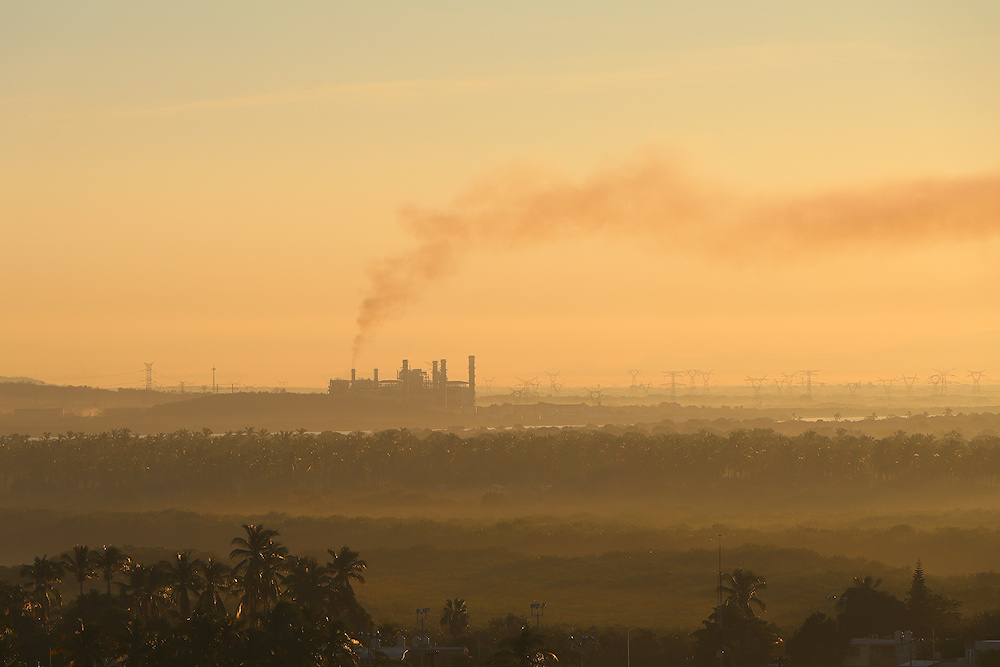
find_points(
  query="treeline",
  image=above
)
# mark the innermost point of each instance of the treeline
(561, 460)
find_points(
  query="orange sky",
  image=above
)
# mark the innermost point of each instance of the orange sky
(600, 188)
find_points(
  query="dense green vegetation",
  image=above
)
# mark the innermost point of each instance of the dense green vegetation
(194, 468)
(611, 526)
(267, 606)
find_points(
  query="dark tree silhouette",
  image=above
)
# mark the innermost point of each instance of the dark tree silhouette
(44, 575)
(80, 562)
(740, 588)
(183, 575)
(110, 561)
(261, 559)
(455, 616)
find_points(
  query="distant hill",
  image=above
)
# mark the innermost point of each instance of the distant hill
(12, 380)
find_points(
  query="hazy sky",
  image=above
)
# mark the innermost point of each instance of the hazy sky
(583, 187)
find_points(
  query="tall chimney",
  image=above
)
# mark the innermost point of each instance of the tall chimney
(444, 372)
(354, 376)
(375, 376)
(435, 380)
(472, 378)
(406, 365)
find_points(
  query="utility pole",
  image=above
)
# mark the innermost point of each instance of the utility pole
(149, 385)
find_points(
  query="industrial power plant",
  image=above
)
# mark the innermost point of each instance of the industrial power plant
(414, 385)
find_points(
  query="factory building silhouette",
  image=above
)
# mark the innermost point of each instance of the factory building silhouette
(413, 385)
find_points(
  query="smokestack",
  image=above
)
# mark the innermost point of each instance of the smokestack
(444, 372)
(406, 365)
(375, 376)
(472, 379)
(435, 380)
(354, 376)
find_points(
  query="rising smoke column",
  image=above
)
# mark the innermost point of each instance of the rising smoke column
(654, 202)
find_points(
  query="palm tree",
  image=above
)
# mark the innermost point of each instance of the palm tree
(257, 571)
(741, 588)
(80, 563)
(307, 583)
(868, 582)
(44, 574)
(146, 591)
(339, 648)
(183, 576)
(84, 648)
(217, 580)
(110, 561)
(455, 616)
(345, 566)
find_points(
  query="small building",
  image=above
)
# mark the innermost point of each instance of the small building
(900, 649)
(422, 653)
(975, 649)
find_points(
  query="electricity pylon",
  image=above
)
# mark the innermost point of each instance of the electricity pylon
(976, 376)
(596, 394)
(634, 372)
(887, 384)
(808, 380)
(756, 383)
(942, 380)
(673, 382)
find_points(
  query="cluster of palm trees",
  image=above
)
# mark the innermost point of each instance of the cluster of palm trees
(292, 463)
(265, 591)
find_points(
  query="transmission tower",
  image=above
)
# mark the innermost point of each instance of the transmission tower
(693, 374)
(149, 377)
(808, 381)
(673, 381)
(705, 375)
(529, 387)
(634, 372)
(595, 394)
(909, 380)
(976, 376)
(553, 385)
(853, 387)
(942, 380)
(756, 383)
(887, 384)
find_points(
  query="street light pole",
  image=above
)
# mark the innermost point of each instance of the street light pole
(537, 610)
(422, 613)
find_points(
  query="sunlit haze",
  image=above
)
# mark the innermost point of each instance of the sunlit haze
(285, 191)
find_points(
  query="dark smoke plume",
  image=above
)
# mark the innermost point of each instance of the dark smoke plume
(653, 202)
